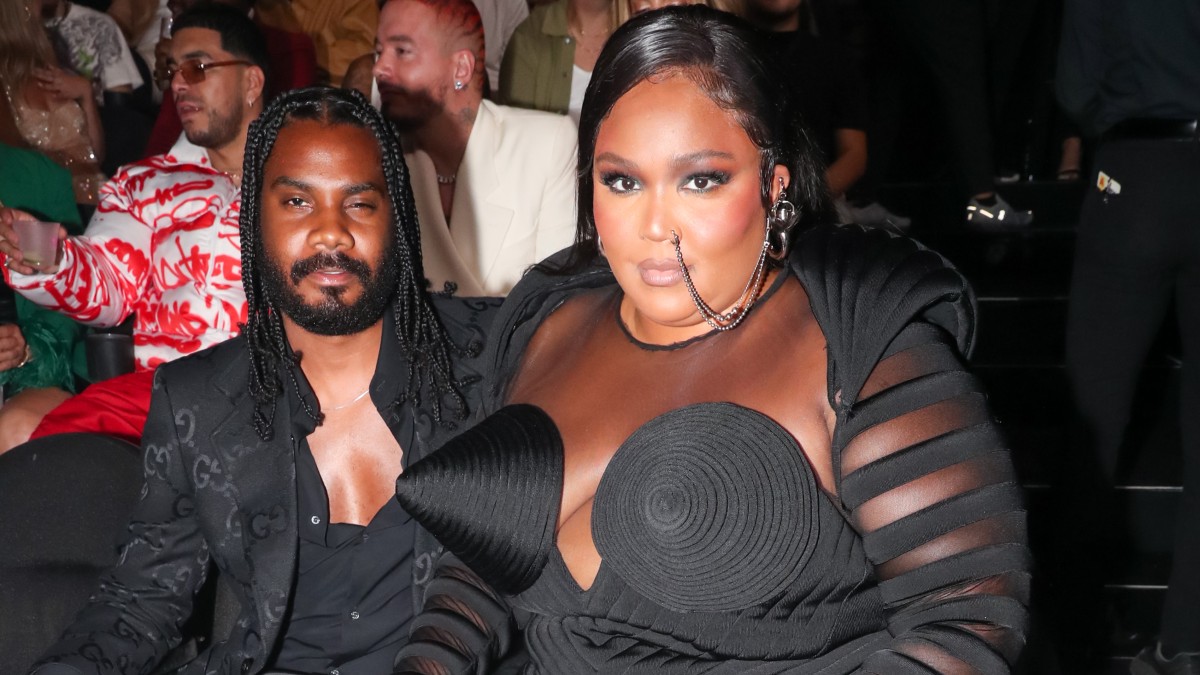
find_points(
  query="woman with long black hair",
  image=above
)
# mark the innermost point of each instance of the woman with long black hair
(728, 438)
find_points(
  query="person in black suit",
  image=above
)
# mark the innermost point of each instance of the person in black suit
(273, 457)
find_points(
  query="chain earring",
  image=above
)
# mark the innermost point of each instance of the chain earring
(746, 300)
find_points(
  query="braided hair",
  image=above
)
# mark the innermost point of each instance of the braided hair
(418, 329)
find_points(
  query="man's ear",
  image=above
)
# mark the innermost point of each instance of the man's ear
(256, 82)
(464, 66)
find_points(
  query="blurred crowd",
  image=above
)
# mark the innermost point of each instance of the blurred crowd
(97, 90)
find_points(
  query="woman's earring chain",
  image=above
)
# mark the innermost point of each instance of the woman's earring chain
(745, 301)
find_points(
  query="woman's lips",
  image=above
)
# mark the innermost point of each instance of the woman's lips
(656, 272)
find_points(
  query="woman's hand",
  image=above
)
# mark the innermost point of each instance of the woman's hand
(13, 348)
(62, 84)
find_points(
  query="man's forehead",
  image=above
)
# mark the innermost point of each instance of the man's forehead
(322, 141)
(409, 19)
(195, 42)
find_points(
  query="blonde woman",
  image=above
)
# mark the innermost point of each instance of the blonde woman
(53, 109)
(549, 59)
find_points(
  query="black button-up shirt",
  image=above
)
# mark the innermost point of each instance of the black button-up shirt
(352, 601)
(1121, 59)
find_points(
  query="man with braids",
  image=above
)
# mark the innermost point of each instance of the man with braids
(273, 457)
(494, 186)
(163, 245)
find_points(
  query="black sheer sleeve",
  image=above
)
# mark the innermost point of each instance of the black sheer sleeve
(463, 628)
(919, 463)
(927, 479)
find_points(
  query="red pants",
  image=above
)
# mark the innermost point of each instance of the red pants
(116, 407)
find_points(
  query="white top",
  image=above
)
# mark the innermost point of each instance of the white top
(579, 83)
(98, 50)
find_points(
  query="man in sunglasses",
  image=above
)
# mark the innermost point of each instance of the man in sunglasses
(163, 245)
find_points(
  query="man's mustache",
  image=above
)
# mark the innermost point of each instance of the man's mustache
(330, 261)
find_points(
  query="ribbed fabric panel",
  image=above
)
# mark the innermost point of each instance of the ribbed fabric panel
(506, 469)
(920, 459)
(911, 531)
(981, 562)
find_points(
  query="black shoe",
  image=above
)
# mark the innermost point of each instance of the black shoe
(1150, 661)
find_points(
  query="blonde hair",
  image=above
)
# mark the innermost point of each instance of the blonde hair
(624, 11)
(24, 44)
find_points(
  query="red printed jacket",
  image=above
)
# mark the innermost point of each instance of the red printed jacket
(163, 245)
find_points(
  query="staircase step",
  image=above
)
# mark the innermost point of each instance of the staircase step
(1142, 534)
(1033, 405)
(941, 206)
(1021, 331)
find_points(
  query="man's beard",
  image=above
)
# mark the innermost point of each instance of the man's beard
(332, 315)
(222, 129)
(408, 109)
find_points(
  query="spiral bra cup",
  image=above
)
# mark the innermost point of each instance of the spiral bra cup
(505, 470)
(700, 510)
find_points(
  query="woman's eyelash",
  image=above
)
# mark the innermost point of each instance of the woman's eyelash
(614, 181)
(708, 180)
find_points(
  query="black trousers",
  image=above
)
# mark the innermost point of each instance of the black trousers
(971, 48)
(1137, 252)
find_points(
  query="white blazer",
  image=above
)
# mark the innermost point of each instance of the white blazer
(514, 201)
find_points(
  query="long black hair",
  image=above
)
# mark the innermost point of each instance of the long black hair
(418, 329)
(717, 51)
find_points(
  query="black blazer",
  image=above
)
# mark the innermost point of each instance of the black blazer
(216, 494)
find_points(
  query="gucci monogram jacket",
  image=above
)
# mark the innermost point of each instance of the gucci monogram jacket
(217, 496)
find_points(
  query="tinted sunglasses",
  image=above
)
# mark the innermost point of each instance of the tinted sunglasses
(193, 69)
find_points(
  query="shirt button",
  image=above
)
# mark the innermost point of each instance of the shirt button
(365, 536)
(354, 615)
(316, 520)
(335, 671)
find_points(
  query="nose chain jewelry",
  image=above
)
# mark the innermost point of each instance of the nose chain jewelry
(745, 301)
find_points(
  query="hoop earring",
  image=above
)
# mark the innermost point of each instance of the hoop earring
(746, 300)
(780, 218)
(600, 246)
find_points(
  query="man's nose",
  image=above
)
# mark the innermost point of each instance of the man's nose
(330, 231)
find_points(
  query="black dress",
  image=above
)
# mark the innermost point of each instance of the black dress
(723, 549)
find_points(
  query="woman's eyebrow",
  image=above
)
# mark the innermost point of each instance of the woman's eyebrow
(699, 156)
(613, 158)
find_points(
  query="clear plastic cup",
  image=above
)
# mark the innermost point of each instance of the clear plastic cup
(38, 241)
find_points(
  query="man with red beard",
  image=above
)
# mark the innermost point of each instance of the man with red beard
(494, 185)
(163, 245)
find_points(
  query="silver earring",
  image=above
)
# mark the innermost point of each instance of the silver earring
(780, 218)
(600, 245)
(746, 300)
(458, 85)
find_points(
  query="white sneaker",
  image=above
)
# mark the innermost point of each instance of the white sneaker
(997, 217)
(873, 214)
